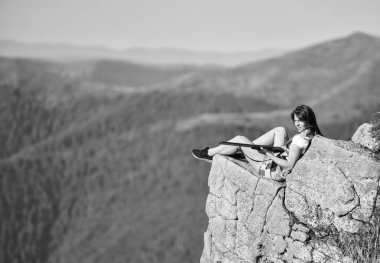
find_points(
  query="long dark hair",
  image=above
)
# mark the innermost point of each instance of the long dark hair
(306, 114)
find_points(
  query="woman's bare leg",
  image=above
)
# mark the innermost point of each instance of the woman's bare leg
(275, 137)
(228, 149)
(253, 156)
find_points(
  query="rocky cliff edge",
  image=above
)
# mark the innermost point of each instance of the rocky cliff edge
(333, 191)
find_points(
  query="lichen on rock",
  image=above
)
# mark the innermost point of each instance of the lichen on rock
(365, 136)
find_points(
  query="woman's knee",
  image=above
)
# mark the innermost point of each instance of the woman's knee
(281, 131)
(241, 139)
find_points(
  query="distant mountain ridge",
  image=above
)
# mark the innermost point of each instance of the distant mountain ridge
(83, 163)
(319, 75)
(159, 56)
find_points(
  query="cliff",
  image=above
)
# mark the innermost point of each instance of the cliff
(331, 194)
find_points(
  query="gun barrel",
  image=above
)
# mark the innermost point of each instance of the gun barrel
(255, 146)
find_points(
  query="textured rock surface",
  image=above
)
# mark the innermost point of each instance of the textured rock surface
(363, 137)
(246, 214)
(332, 189)
(334, 184)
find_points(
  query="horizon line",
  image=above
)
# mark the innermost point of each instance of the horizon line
(175, 48)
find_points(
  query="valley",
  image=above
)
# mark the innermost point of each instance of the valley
(96, 161)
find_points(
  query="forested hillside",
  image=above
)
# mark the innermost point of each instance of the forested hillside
(89, 173)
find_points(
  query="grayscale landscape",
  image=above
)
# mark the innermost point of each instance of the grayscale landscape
(96, 161)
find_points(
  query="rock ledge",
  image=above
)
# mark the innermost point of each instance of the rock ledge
(332, 190)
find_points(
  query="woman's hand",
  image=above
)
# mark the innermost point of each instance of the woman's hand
(264, 151)
(285, 148)
(294, 155)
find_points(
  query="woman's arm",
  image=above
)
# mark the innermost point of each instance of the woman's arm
(293, 157)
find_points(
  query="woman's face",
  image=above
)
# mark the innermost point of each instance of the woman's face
(300, 125)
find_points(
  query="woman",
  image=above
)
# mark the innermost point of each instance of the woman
(265, 162)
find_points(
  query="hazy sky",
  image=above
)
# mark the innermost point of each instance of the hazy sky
(220, 25)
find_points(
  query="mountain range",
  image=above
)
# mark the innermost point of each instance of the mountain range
(158, 56)
(96, 161)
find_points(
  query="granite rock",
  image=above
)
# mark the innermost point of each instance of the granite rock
(332, 190)
(364, 137)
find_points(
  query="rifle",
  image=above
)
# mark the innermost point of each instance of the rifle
(256, 146)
